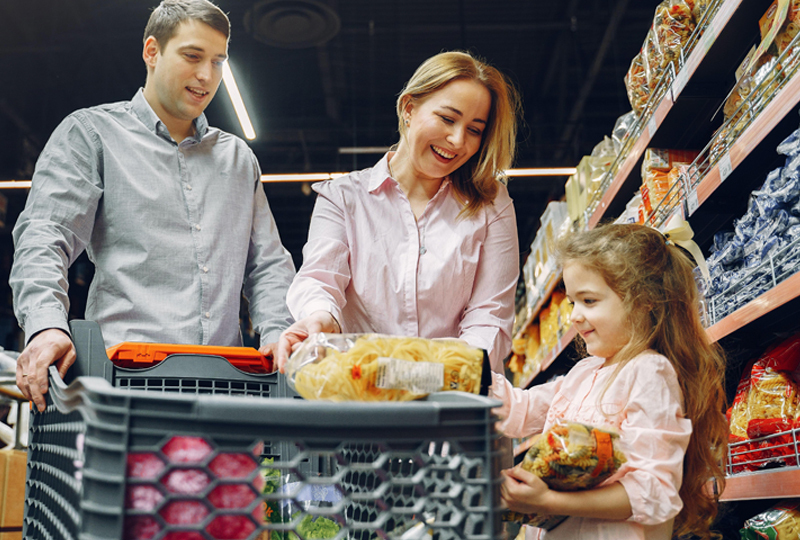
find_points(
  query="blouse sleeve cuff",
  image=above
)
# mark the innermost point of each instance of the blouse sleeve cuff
(44, 319)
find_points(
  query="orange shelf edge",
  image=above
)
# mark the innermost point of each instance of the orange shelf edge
(783, 293)
(774, 484)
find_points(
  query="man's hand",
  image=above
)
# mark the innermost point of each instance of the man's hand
(293, 337)
(52, 346)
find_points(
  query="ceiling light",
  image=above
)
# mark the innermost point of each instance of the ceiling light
(12, 184)
(236, 99)
(316, 177)
(300, 177)
(543, 171)
(364, 149)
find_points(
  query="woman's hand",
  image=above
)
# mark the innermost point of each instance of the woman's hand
(524, 492)
(295, 335)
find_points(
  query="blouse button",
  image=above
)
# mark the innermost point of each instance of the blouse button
(422, 250)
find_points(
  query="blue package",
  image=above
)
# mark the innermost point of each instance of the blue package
(790, 146)
(721, 239)
(789, 192)
(744, 227)
(773, 180)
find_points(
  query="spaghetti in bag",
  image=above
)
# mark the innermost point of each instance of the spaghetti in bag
(375, 367)
(781, 522)
(570, 456)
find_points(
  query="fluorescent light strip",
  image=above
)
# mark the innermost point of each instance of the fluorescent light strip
(238, 104)
(364, 149)
(316, 177)
(15, 184)
(553, 171)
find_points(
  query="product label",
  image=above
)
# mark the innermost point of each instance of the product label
(692, 202)
(416, 377)
(725, 167)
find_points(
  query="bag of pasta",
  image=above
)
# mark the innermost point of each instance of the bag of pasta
(570, 456)
(781, 522)
(375, 367)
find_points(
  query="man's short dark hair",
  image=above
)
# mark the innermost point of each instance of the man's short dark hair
(169, 14)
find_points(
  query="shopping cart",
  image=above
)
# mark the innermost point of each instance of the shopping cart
(195, 451)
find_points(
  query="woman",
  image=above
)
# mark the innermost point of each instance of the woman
(425, 242)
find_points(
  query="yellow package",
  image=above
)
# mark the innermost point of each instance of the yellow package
(375, 367)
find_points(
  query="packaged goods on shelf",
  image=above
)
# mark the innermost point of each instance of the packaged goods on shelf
(548, 326)
(781, 522)
(576, 201)
(764, 413)
(673, 25)
(554, 224)
(634, 211)
(622, 129)
(658, 178)
(764, 246)
(636, 84)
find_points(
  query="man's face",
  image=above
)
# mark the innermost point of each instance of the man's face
(184, 75)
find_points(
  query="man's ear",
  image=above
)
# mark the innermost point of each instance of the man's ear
(150, 52)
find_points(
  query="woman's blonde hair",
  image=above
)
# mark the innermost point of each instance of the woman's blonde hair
(476, 181)
(656, 283)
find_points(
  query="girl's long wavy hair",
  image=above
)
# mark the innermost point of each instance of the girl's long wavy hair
(655, 281)
(475, 182)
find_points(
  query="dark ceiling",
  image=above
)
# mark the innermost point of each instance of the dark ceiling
(307, 100)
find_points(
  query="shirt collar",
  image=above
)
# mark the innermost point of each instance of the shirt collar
(149, 118)
(380, 175)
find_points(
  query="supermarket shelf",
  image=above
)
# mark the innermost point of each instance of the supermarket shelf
(783, 293)
(704, 44)
(547, 290)
(774, 484)
(562, 343)
(784, 102)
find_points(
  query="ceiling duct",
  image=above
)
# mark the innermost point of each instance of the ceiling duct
(292, 24)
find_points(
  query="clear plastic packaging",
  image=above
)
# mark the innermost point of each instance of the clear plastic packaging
(636, 84)
(570, 456)
(781, 522)
(375, 367)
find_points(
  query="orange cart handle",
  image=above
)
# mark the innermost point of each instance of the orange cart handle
(140, 355)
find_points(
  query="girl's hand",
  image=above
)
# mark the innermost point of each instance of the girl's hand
(524, 492)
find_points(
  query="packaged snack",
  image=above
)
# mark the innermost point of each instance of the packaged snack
(673, 25)
(698, 8)
(781, 522)
(375, 367)
(636, 84)
(570, 456)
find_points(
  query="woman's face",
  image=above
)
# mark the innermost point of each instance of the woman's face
(446, 128)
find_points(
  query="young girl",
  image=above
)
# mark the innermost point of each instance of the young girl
(653, 376)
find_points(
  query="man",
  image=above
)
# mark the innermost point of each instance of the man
(170, 211)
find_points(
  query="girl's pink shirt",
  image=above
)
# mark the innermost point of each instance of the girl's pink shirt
(364, 262)
(645, 405)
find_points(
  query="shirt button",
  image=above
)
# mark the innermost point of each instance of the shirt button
(205, 269)
(188, 187)
(197, 226)
(208, 314)
(422, 250)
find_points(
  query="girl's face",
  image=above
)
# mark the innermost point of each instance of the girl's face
(446, 128)
(598, 313)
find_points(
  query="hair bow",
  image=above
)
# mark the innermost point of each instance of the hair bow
(678, 231)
